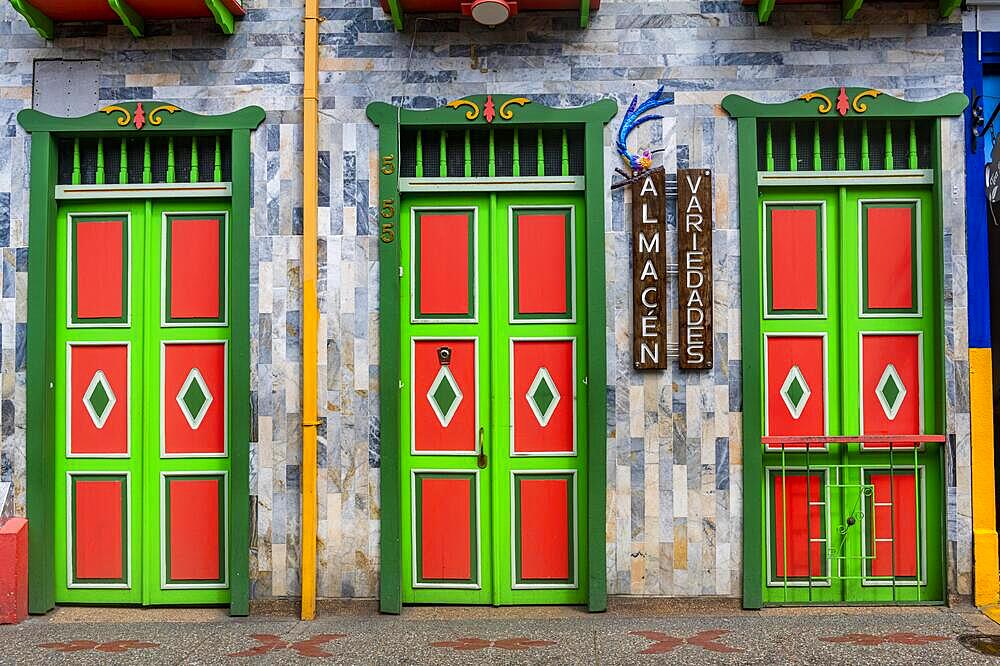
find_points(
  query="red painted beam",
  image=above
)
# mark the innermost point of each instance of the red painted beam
(435, 6)
(871, 439)
(99, 10)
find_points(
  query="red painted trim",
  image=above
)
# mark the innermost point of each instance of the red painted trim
(890, 262)
(98, 264)
(98, 529)
(99, 10)
(445, 529)
(194, 529)
(544, 523)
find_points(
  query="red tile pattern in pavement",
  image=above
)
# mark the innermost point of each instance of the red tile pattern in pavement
(311, 647)
(705, 640)
(110, 646)
(900, 638)
(503, 644)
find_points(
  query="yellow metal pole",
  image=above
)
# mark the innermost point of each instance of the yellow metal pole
(310, 307)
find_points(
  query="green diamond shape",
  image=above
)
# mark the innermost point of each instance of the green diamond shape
(543, 396)
(445, 395)
(99, 399)
(795, 392)
(891, 390)
(194, 398)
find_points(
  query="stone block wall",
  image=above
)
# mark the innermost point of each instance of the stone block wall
(674, 444)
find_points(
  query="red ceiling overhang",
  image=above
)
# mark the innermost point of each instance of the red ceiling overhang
(398, 8)
(43, 14)
(848, 8)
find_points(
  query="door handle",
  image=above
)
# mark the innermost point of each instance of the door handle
(481, 460)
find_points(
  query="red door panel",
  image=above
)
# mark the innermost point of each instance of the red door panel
(892, 541)
(796, 519)
(194, 539)
(444, 258)
(796, 386)
(890, 386)
(194, 399)
(98, 400)
(544, 528)
(99, 532)
(446, 528)
(794, 255)
(99, 271)
(444, 396)
(543, 396)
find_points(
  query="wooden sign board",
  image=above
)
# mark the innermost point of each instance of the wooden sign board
(649, 271)
(694, 267)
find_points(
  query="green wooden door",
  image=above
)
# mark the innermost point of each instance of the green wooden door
(141, 402)
(851, 374)
(492, 383)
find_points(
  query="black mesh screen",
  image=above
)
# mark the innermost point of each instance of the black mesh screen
(553, 152)
(900, 144)
(502, 152)
(431, 141)
(528, 152)
(479, 143)
(503, 146)
(135, 148)
(876, 146)
(804, 146)
(576, 154)
(853, 146)
(456, 154)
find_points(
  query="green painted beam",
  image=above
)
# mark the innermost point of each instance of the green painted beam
(131, 18)
(396, 11)
(764, 9)
(222, 15)
(946, 7)
(42, 24)
(585, 13)
(848, 8)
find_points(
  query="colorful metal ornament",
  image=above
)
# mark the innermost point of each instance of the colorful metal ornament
(639, 162)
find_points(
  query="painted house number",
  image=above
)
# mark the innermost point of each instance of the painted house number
(388, 206)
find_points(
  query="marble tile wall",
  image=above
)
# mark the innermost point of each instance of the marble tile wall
(674, 445)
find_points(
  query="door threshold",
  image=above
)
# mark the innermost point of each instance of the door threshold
(135, 614)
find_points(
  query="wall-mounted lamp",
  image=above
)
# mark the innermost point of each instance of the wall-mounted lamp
(490, 12)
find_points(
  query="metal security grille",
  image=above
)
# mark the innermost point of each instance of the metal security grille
(120, 161)
(843, 145)
(489, 153)
(855, 526)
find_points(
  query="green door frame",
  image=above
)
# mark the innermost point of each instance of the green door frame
(850, 103)
(124, 119)
(478, 112)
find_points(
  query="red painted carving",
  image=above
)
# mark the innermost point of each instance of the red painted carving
(488, 110)
(311, 647)
(111, 646)
(706, 640)
(140, 116)
(503, 644)
(842, 102)
(900, 638)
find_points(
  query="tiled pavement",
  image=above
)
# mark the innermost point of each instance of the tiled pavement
(652, 631)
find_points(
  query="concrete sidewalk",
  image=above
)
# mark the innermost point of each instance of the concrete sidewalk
(632, 632)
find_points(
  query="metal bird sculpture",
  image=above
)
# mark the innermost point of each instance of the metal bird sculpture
(633, 118)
